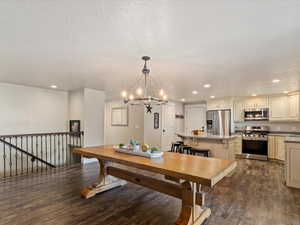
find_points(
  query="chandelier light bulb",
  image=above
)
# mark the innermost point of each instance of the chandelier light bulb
(131, 97)
(124, 94)
(165, 97)
(161, 92)
(139, 91)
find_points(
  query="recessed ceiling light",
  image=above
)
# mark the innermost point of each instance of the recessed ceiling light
(254, 95)
(183, 100)
(53, 86)
(206, 85)
(275, 81)
(285, 92)
(212, 96)
(195, 92)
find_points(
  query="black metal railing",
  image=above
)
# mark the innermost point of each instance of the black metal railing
(28, 153)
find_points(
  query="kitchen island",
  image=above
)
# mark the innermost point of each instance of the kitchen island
(222, 147)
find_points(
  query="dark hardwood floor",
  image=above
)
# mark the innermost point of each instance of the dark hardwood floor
(254, 195)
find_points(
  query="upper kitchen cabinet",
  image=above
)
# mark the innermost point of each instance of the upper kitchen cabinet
(256, 102)
(219, 104)
(284, 107)
(247, 103)
(294, 109)
(238, 110)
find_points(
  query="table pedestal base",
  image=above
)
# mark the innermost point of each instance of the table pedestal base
(192, 210)
(104, 183)
(191, 214)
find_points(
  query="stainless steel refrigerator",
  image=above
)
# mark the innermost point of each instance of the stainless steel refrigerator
(218, 122)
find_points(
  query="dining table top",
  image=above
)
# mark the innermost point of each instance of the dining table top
(202, 170)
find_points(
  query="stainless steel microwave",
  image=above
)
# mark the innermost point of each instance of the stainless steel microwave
(256, 114)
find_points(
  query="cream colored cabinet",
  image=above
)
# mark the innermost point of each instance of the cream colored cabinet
(292, 164)
(279, 108)
(218, 104)
(238, 144)
(276, 147)
(284, 108)
(256, 102)
(247, 103)
(238, 111)
(294, 107)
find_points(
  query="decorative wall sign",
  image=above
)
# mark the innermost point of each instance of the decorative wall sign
(156, 120)
(119, 116)
(178, 116)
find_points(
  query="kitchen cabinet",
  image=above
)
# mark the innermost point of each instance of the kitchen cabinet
(221, 148)
(218, 104)
(247, 103)
(238, 111)
(276, 147)
(284, 108)
(238, 144)
(294, 107)
(292, 164)
(256, 102)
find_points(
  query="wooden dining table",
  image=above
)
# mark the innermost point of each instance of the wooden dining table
(182, 175)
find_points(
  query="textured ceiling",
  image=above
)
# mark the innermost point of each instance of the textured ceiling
(238, 46)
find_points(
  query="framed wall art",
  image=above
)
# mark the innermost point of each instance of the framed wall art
(119, 116)
(156, 120)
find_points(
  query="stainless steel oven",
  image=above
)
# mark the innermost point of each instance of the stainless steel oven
(255, 142)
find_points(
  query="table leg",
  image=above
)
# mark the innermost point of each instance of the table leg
(191, 214)
(105, 182)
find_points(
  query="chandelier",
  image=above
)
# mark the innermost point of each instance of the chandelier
(144, 92)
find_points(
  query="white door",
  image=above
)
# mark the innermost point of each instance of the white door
(195, 118)
(152, 136)
(168, 126)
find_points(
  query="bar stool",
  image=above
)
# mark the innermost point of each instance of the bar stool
(186, 149)
(179, 142)
(175, 147)
(204, 152)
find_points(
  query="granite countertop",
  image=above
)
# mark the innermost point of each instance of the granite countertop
(206, 136)
(292, 139)
(278, 133)
(285, 134)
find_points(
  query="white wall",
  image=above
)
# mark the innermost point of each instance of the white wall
(194, 116)
(88, 106)
(93, 117)
(153, 136)
(76, 106)
(122, 134)
(32, 110)
(179, 110)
